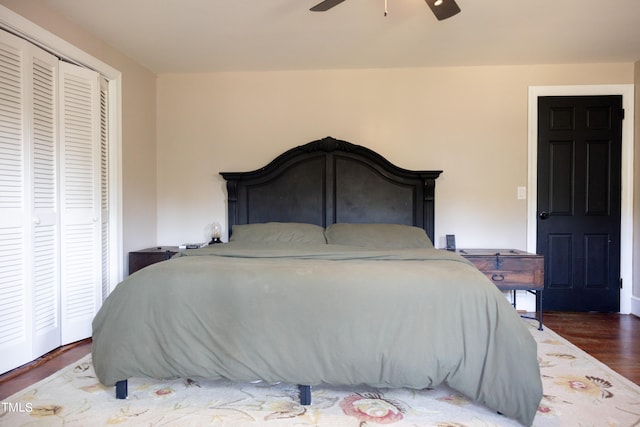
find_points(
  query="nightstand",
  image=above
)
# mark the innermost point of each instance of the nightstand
(511, 270)
(144, 257)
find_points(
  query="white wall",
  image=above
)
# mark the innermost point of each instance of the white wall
(470, 122)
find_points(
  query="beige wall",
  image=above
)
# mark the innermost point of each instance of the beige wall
(470, 122)
(138, 122)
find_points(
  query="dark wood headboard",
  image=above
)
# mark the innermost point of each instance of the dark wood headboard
(328, 181)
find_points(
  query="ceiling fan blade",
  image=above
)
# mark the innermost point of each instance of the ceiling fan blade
(445, 9)
(325, 5)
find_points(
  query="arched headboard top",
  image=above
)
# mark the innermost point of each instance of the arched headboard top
(328, 181)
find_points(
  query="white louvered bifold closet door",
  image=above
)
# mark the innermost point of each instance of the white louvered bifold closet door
(45, 216)
(52, 163)
(104, 187)
(29, 286)
(80, 184)
(15, 312)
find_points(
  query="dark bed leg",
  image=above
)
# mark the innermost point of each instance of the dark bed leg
(305, 394)
(121, 389)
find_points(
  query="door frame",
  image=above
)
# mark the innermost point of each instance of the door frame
(626, 220)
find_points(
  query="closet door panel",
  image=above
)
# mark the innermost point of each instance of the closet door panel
(104, 189)
(80, 201)
(46, 284)
(15, 310)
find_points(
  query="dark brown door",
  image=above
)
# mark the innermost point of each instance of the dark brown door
(579, 179)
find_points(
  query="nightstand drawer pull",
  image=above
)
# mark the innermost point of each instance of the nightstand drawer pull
(497, 277)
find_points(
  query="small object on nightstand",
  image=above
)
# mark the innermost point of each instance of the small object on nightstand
(216, 231)
(192, 245)
(451, 242)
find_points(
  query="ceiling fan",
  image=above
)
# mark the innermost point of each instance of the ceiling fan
(442, 9)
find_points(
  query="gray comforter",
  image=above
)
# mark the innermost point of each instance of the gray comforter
(321, 314)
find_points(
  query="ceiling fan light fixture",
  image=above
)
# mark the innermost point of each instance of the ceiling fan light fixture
(325, 5)
(443, 9)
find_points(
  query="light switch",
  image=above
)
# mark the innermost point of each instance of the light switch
(522, 193)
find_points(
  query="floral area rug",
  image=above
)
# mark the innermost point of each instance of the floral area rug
(578, 391)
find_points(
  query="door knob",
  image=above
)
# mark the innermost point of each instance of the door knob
(544, 215)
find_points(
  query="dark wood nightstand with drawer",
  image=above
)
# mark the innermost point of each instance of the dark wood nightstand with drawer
(144, 257)
(511, 270)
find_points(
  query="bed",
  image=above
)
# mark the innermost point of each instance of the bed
(329, 277)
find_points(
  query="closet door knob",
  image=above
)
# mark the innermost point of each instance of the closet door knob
(544, 215)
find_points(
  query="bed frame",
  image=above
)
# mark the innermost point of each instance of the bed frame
(324, 182)
(329, 181)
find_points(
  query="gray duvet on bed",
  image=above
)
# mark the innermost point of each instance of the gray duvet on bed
(313, 314)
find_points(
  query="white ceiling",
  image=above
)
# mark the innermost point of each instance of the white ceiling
(175, 36)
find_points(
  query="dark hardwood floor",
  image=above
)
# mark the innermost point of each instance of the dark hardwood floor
(613, 339)
(42, 367)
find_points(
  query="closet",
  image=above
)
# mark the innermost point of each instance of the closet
(53, 204)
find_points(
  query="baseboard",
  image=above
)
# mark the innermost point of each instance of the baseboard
(525, 301)
(635, 306)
